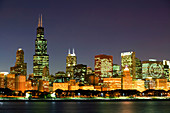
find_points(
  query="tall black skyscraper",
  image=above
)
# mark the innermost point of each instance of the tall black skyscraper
(40, 58)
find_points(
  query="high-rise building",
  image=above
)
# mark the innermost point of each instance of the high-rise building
(152, 69)
(128, 59)
(20, 81)
(80, 71)
(138, 69)
(103, 66)
(116, 70)
(126, 79)
(71, 61)
(89, 70)
(20, 67)
(40, 58)
(166, 66)
(11, 81)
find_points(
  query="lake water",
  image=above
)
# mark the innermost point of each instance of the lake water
(86, 107)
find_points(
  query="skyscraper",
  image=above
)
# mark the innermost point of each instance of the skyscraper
(152, 69)
(116, 70)
(103, 66)
(128, 59)
(20, 67)
(138, 69)
(80, 72)
(40, 58)
(126, 79)
(71, 61)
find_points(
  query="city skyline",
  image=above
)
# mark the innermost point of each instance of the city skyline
(98, 29)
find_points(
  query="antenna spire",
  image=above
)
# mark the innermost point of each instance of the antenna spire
(68, 51)
(73, 51)
(41, 20)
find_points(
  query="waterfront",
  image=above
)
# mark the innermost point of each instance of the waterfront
(86, 107)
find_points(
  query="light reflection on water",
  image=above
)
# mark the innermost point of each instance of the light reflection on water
(86, 107)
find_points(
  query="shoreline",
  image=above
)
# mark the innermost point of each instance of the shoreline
(84, 100)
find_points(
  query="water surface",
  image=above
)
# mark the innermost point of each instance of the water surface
(86, 107)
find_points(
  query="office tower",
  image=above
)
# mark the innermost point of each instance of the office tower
(138, 69)
(40, 58)
(126, 79)
(20, 67)
(20, 81)
(45, 73)
(116, 70)
(80, 71)
(103, 66)
(128, 59)
(89, 71)
(71, 61)
(166, 66)
(11, 81)
(152, 69)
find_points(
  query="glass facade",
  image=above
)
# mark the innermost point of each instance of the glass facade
(80, 72)
(71, 61)
(138, 69)
(103, 66)
(128, 59)
(153, 69)
(116, 70)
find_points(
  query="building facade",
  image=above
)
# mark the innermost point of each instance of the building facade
(128, 59)
(103, 66)
(80, 71)
(166, 66)
(152, 69)
(40, 58)
(126, 79)
(116, 70)
(20, 83)
(11, 81)
(138, 69)
(71, 61)
(20, 67)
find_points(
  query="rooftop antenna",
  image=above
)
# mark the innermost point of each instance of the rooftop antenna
(73, 51)
(68, 51)
(41, 20)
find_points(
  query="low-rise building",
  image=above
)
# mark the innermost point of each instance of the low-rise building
(62, 86)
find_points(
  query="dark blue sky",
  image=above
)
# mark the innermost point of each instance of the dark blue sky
(90, 26)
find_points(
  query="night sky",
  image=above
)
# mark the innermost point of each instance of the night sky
(92, 27)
